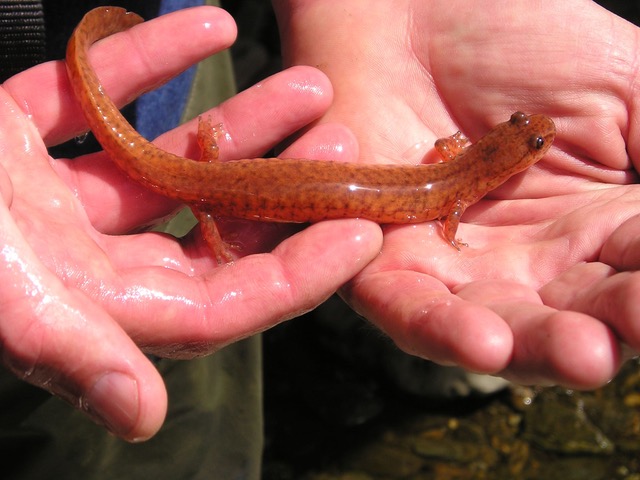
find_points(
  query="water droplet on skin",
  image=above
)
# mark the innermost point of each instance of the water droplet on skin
(80, 139)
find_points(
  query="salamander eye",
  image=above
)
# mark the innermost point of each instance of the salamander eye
(537, 142)
(519, 118)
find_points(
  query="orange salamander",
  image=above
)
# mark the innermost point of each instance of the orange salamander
(301, 190)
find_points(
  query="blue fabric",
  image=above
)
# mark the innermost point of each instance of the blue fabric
(161, 110)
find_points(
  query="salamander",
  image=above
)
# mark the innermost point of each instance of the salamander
(301, 190)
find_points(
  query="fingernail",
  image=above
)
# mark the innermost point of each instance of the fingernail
(113, 402)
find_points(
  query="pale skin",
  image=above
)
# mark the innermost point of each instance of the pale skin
(79, 306)
(78, 302)
(547, 291)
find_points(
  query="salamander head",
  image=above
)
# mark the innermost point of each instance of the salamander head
(514, 146)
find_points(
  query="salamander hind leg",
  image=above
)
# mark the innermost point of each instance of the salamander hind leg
(212, 237)
(208, 143)
(450, 147)
(208, 134)
(451, 223)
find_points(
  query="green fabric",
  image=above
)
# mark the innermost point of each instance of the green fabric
(214, 424)
(213, 428)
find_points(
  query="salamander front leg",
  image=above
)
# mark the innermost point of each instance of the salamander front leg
(451, 222)
(450, 147)
(208, 139)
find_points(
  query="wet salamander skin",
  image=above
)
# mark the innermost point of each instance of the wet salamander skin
(299, 190)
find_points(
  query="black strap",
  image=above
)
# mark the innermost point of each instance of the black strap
(22, 36)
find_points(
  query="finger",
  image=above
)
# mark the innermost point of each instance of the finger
(6, 187)
(127, 63)
(549, 346)
(56, 339)
(279, 107)
(597, 290)
(622, 249)
(326, 141)
(425, 319)
(196, 309)
(560, 348)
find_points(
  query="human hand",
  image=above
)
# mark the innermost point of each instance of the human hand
(80, 301)
(546, 292)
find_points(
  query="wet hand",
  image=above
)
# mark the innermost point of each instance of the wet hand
(547, 290)
(81, 301)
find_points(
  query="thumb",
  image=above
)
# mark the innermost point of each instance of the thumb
(57, 339)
